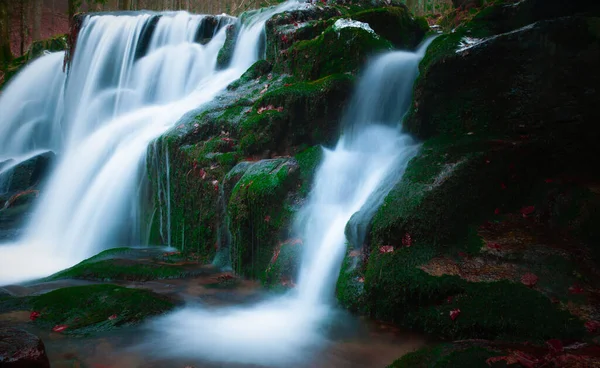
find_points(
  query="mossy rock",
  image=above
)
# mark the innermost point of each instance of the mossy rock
(37, 49)
(334, 51)
(395, 24)
(259, 69)
(259, 214)
(448, 356)
(127, 264)
(284, 265)
(397, 290)
(226, 53)
(308, 162)
(518, 98)
(296, 115)
(95, 308)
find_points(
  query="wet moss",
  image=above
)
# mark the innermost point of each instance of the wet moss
(407, 295)
(284, 265)
(226, 53)
(395, 24)
(334, 51)
(296, 115)
(259, 214)
(308, 162)
(122, 270)
(447, 356)
(94, 308)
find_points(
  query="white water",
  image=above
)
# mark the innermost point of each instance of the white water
(356, 176)
(101, 119)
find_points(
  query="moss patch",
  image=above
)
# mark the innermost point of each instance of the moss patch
(93, 308)
(395, 24)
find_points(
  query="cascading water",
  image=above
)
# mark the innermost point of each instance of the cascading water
(123, 90)
(353, 178)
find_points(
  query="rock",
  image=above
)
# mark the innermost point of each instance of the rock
(396, 25)
(258, 213)
(26, 174)
(20, 349)
(226, 53)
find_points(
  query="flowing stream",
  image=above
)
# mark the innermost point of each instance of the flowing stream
(132, 77)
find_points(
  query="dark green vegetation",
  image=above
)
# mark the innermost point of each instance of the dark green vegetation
(91, 308)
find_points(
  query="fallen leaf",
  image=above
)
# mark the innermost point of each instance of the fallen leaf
(576, 289)
(34, 315)
(454, 314)
(526, 211)
(495, 246)
(555, 346)
(267, 218)
(407, 240)
(592, 326)
(497, 211)
(59, 328)
(112, 317)
(386, 249)
(529, 279)
(361, 279)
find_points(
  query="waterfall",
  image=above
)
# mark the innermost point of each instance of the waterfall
(353, 178)
(131, 78)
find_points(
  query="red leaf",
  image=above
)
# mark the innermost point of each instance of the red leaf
(215, 184)
(449, 299)
(386, 249)
(202, 174)
(284, 38)
(529, 279)
(462, 254)
(267, 218)
(592, 326)
(525, 211)
(502, 185)
(112, 317)
(555, 346)
(576, 289)
(497, 211)
(407, 240)
(34, 315)
(59, 328)
(495, 246)
(361, 279)
(454, 314)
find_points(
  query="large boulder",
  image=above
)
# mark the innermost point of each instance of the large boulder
(461, 247)
(20, 349)
(25, 175)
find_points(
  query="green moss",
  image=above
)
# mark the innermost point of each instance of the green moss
(286, 265)
(258, 213)
(120, 269)
(334, 51)
(226, 53)
(395, 24)
(446, 356)
(407, 295)
(302, 113)
(86, 309)
(259, 69)
(308, 161)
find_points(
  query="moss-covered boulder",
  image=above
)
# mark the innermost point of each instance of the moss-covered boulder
(343, 47)
(94, 308)
(129, 264)
(226, 53)
(258, 213)
(295, 115)
(395, 24)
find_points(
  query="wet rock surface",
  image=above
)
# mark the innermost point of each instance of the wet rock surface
(20, 349)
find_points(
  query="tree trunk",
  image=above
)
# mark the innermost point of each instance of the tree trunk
(38, 8)
(126, 5)
(5, 53)
(72, 10)
(23, 32)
